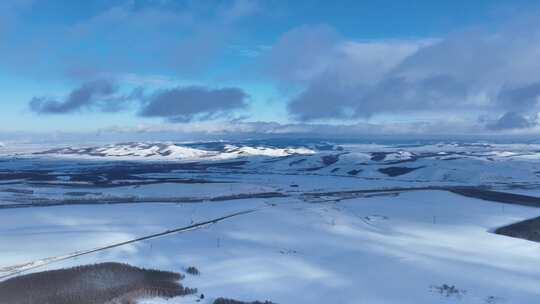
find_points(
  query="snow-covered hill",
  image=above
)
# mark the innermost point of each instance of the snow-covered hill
(171, 151)
(133, 151)
(433, 163)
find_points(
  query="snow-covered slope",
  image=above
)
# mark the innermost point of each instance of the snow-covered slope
(379, 250)
(349, 223)
(433, 163)
(171, 151)
(154, 151)
(233, 150)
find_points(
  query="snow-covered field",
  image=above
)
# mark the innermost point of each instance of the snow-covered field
(351, 223)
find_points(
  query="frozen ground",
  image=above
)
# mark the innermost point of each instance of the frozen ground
(316, 235)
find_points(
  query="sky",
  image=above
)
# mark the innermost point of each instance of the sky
(346, 68)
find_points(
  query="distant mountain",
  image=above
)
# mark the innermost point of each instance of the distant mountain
(442, 162)
(171, 151)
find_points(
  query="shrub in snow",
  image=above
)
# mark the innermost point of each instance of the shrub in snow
(448, 290)
(230, 301)
(193, 270)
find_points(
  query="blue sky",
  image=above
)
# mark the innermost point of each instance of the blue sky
(277, 67)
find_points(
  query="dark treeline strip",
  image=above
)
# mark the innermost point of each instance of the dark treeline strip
(101, 200)
(92, 284)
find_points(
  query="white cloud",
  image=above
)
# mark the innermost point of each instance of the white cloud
(471, 71)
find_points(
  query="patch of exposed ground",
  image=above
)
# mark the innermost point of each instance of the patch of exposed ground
(330, 159)
(482, 193)
(378, 156)
(496, 196)
(527, 230)
(354, 172)
(114, 175)
(397, 171)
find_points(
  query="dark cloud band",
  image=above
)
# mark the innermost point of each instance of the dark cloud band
(87, 96)
(475, 71)
(179, 104)
(188, 103)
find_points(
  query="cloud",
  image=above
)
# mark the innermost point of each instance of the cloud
(301, 53)
(98, 95)
(334, 73)
(243, 129)
(177, 104)
(523, 98)
(121, 37)
(193, 103)
(511, 121)
(477, 71)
